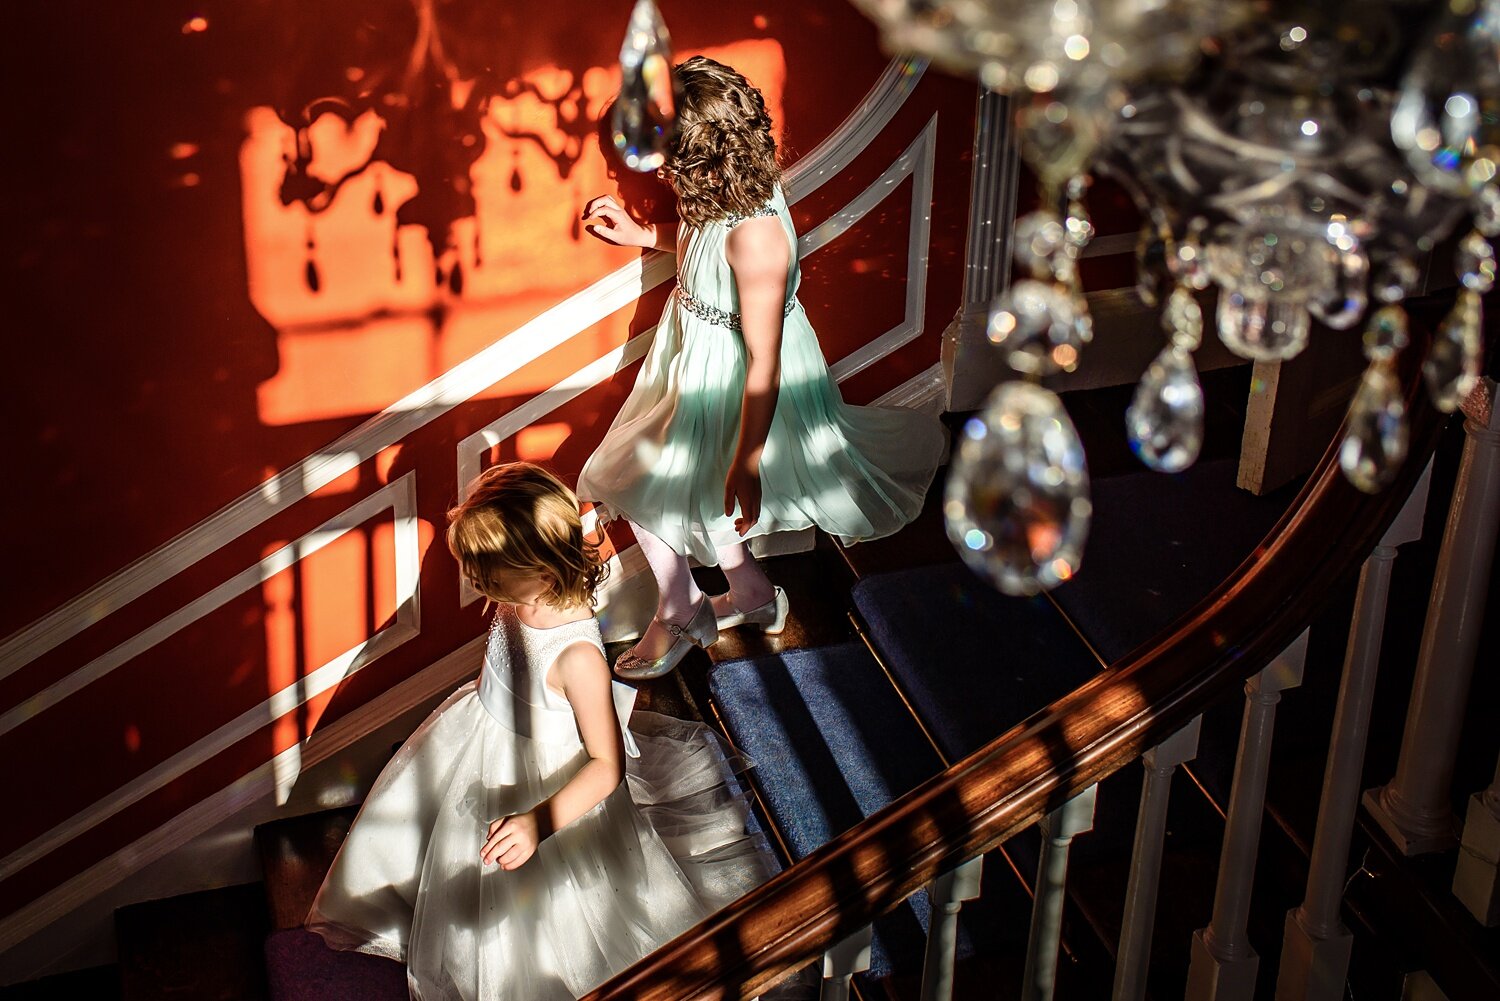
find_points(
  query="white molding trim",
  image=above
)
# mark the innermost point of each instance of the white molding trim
(443, 676)
(920, 392)
(400, 496)
(506, 355)
(918, 160)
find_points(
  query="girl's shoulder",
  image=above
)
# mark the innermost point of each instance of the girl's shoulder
(772, 206)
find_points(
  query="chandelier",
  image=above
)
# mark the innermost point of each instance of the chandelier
(1297, 161)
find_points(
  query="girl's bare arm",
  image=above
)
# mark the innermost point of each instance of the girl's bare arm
(759, 255)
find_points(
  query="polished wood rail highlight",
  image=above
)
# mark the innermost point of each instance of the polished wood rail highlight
(1013, 781)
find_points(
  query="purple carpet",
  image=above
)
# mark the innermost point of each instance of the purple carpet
(300, 967)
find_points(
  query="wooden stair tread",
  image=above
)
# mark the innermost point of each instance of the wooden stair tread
(295, 855)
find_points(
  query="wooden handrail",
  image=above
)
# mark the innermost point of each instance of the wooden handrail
(1080, 739)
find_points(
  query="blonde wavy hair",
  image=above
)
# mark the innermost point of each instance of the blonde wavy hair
(520, 518)
(722, 159)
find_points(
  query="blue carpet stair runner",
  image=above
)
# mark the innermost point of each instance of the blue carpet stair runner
(832, 744)
(1160, 543)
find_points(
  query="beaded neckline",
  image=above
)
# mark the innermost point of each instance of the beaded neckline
(734, 219)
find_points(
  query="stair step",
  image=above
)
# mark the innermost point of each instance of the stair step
(202, 946)
(832, 744)
(971, 661)
(295, 855)
(98, 983)
(1157, 545)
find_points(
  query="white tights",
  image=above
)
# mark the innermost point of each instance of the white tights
(677, 592)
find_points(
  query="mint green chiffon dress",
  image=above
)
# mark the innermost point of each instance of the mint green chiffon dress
(858, 473)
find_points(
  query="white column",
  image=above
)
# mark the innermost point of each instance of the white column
(947, 895)
(971, 365)
(1476, 880)
(842, 962)
(1315, 945)
(1133, 960)
(1223, 965)
(1058, 829)
(1413, 809)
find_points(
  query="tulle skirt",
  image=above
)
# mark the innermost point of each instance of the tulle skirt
(858, 473)
(668, 847)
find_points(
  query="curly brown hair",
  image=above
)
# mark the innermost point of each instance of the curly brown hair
(520, 518)
(722, 160)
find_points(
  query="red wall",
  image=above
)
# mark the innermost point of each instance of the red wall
(170, 352)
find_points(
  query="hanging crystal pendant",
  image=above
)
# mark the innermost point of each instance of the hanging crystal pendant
(1165, 420)
(1150, 264)
(1038, 238)
(1447, 119)
(1454, 361)
(1183, 319)
(1262, 328)
(646, 109)
(1039, 326)
(1374, 444)
(1346, 305)
(1016, 504)
(1474, 261)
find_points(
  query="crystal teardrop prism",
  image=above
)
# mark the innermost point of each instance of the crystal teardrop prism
(1349, 293)
(646, 110)
(1454, 361)
(1040, 326)
(1165, 420)
(1374, 444)
(1447, 118)
(1017, 505)
(1262, 329)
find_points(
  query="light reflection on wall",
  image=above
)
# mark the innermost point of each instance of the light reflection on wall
(364, 313)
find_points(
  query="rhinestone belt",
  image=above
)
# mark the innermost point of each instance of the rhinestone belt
(715, 315)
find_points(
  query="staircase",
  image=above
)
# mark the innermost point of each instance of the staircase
(861, 701)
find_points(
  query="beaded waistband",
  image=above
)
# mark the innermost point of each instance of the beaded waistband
(720, 317)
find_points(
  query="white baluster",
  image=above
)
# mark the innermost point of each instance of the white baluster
(947, 895)
(1134, 957)
(1476, 880)
(1223, 964)
(970, 363)
(842, 962)
(1058, 829)
(1413, 809)
(1315, 945)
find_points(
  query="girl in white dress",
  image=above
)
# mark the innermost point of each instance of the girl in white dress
(525, 843)
(735, 428)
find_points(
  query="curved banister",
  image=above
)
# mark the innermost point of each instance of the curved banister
(1075, 742)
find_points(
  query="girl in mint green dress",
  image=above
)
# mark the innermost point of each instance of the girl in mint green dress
(735, 428)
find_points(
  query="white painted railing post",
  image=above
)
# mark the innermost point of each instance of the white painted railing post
(1133, 959)
(970, 364)
(1414, 807)
(1058, 829)
(947, 895)
(1476, 880)
(842, 962)
(1223, 964)
(1315, 944)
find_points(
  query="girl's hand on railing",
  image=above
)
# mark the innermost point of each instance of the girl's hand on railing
(609, 221)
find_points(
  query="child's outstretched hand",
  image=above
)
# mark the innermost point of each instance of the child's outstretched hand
(609, 221)
(742, 487)
(512, 841)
